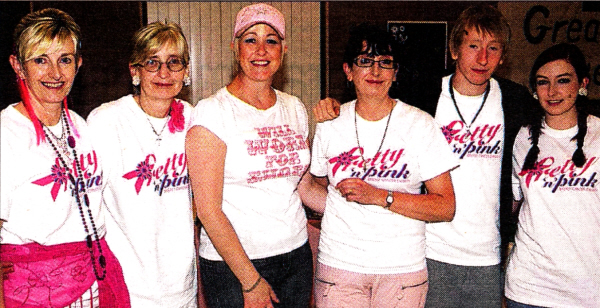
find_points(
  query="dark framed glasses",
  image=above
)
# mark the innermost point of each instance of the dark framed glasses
(387, 64)
(174, 64)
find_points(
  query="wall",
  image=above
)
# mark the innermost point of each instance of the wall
(538, 25)
(208, 27)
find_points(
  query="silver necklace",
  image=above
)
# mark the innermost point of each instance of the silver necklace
(158, 135)
(485, 96)
(360, 148)
(61, 141)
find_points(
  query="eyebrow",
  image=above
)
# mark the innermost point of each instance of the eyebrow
(561, 75)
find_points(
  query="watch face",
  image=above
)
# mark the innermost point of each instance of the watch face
(389, 199)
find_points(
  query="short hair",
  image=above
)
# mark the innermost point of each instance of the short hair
(36, 31)
(484, 19)
(378, 42)
(151, 38)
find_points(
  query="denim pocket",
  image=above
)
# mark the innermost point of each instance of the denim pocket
(322, 290)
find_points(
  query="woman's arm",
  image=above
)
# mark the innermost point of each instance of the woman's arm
(437, 204)
(206, 162)
(313, 191)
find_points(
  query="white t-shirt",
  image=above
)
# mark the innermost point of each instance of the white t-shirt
(266, 156)
(150, 226)
(472, 238)
(556, 259)
(36, 201)
(367, 238)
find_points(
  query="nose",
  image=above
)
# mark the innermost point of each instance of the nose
(376, 69)
(552, 89)
(482, 57)
(261, 48)
(163, 70)
(54, 71)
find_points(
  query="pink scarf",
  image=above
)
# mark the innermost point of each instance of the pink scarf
(57, 275)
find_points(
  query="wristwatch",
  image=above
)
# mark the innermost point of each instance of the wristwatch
(389, 200)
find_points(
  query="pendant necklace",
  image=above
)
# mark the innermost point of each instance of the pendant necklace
(485, 96)
(61, 141)
(360, 148)
(158, 135)
(78, 189)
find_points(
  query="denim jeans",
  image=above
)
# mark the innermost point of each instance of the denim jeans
(457, 286)
(512, 304)
(289, 274)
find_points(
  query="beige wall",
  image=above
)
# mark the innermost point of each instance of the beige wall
(564, 22)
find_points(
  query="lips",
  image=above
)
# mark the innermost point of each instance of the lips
(260, 62)
(478, 71)
(374, 81)
(164, 85)
(53, 85)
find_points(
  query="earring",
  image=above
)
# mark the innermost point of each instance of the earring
(135, 81)
(187, 81)
(582, 92)
(535, 95)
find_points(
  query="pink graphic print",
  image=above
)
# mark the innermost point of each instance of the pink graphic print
(557, 176)
(143, 171)
(60, 177)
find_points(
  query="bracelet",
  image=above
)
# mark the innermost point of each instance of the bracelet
(253, 286)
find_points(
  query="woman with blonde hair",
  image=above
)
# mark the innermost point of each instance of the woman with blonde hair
(51, 215)
(141, 139)
(247, 150)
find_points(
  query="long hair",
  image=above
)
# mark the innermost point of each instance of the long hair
(575, 57)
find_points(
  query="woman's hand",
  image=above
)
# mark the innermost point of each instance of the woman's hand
(326, 109)
(262, 296)
(357, 190)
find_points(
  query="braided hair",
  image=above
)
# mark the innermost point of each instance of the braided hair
(573, 55)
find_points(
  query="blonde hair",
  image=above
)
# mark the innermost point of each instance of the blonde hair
(36, 31)
(151, 38)
(485, 19)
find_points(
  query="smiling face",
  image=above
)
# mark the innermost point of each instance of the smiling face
(557, 86)
(162, 84)
(49, 76)
(477, 58)
(260, 52)
(371, 81)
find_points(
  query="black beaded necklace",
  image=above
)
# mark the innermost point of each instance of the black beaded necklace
(485, 96)
(86, 200)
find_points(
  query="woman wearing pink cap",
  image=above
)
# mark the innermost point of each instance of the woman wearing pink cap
(247, 151)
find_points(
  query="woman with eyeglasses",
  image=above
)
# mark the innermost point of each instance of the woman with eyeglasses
(141, 139)
(373, 160)
(556, 164)
(52, 220)
(247, 151)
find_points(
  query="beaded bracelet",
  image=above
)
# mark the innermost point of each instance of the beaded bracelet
(253, 286)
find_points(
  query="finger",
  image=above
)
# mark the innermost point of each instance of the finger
(274, 296)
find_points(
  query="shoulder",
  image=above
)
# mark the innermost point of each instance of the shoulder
(412, 114)
(111, 109)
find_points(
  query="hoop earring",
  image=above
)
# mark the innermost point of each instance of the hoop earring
(135, 81)
(187, 81)
(582, 92)
(535, 96)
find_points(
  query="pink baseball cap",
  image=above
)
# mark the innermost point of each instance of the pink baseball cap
(259, 13)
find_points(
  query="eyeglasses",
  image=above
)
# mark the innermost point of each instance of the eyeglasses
(173, 64)
(367, 62)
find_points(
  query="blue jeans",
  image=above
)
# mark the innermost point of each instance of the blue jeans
(457, 286)
(289, 274)
(512, 304)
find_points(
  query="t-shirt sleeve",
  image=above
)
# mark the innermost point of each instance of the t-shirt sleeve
(318, 163)
(516, 169)
(435, 155)
(208, 114)
(6, 161)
